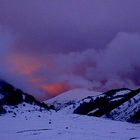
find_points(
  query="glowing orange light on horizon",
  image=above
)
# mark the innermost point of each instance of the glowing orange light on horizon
(23, 64)
(27, 66)
(55, 89)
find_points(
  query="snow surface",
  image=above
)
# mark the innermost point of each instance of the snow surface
(30, 122)
(122, 92)
(69, 97)
(127, 109)
(70, 109)
(116, 99)
(57, 126)
(24, 110)
(75, 94)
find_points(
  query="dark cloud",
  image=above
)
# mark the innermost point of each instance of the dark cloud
(66, 26)
(54, 45)
(116, 66)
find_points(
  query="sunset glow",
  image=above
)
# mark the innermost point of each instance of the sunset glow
(23, 64)
(28, 66)
(50, 43)
(68, 68)
(55, 89)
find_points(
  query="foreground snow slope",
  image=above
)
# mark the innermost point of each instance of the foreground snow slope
(70, 97)
(57, 126)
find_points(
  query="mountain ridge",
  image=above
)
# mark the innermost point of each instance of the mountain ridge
(14, 100)
(116, 104)
(102, 105)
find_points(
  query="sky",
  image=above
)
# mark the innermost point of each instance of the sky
(48, 47)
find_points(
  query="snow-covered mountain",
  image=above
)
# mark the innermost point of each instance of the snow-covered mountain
(23, 117)
(117, 104)
(128, 111)
(14, 101)
(70, 97)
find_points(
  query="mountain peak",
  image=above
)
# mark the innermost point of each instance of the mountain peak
(70, 97)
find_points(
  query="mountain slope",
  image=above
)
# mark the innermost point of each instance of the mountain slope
(26, 118)
(118, 104)
(92, 104)
(14, 101)
(128, 110)
(70, 97)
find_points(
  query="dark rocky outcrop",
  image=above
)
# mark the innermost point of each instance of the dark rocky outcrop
(13, 96)
(106, 103)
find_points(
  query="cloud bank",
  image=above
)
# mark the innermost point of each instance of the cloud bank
(49, 47)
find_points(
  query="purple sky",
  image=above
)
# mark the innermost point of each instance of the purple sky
(52, 46)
